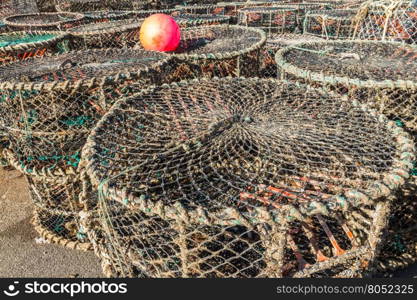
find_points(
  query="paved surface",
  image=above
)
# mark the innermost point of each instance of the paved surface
(21, 256)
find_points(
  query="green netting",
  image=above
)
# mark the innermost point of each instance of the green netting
(7, 40)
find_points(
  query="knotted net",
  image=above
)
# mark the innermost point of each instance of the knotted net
(242, 178)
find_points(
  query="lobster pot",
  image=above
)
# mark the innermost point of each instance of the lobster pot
(387, 20)
(80, 5)
(55, 195)
(381, 74)
(330, 24)
(43, 21)
(268, 66)
(242, 177)
(271, 19)
(218, 51)
(117, 34)
(190, 20)
(107, 16)
(49, 105)
(205, 9)
(21, 45)
(232, 8)
(12, 7)
(143, 14)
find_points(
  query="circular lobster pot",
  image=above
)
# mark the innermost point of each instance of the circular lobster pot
(44, 21)
(243, 177)
(80, 5)
(61, 98)
(205, 9)
(268, 67)
(218, 51)
(231, 8)
(19, 45)
(106, 16)
(330, 24)
(381, 74)
(55, 195)
(381, 20)
(12, 7)
(143, 14)
(190, 20)
(271, 19)
(118, 34)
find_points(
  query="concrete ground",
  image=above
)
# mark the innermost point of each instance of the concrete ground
(21, 256)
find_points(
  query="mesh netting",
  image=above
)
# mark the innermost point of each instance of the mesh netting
(387, 20)
(218, 51)
(400, 245)
(380, 73)
(118, 34)
(268, 66)
(330, 24)
(20, 45)
(49, 105)
(11, 7)
(43, 21)
(243, 178)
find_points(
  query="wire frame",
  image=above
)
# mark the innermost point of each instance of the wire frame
(387, 20)
(330, 24)
(268, 66)
(223, 50)
(44, 21)
(234, 178)
(20, 45)
(379, 73)
(55, 195)
(50, 105)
